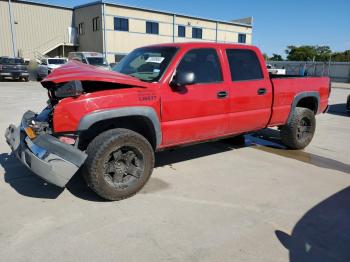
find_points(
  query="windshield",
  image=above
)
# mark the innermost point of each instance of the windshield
(147, 64)
(11, 61)
(57, 61)
(97, 61)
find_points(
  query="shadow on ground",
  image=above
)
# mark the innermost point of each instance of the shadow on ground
(24, 182)
(338, 109)
(323, 233)
(268, 140)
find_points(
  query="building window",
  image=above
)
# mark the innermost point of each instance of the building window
(242, 38)
(81, 30)
(197, 33)
(181, 30)
(121, 24)
(152, 28)
(96, 24)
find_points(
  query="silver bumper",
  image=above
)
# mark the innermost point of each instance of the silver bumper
(45, 155)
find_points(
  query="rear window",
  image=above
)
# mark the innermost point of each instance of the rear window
(57, 61)
(244, 65)
(97, 61)
(11, 61)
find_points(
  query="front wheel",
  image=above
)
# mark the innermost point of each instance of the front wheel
(298, 133)
(119, 164)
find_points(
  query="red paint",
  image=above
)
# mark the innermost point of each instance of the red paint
(196, 114)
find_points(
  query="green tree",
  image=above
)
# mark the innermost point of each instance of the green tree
(266, 57)
(276, 57)
(341, 56)
(308, 53)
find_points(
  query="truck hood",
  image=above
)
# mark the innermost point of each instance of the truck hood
(75, 70)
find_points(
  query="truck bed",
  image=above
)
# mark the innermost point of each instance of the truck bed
(287, 87)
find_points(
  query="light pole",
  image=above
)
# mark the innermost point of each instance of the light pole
(12, 29)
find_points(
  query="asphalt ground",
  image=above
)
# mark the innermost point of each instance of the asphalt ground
(214, 201)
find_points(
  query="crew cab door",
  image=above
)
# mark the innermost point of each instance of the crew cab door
(198, 111)
(250, 90)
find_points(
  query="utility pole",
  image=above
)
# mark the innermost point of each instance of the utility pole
(12, 29)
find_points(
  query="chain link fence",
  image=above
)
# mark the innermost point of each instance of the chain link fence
(337, 71)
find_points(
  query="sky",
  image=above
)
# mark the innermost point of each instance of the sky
(277, 23)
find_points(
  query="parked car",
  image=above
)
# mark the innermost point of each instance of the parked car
(14, 68)
(47, 65)
(90, 58)
(275, 71)
(348, 104)
(159, 97)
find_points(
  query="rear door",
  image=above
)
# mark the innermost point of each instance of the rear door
(199, 111)
(250, 90)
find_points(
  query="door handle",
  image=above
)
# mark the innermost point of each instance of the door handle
(222, 94)
(261, 91)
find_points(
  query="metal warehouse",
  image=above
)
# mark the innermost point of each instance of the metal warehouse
(33, 30)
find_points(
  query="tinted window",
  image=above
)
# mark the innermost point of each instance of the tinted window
(181, 31)
(197, 33)
(204, 63)
(57, 61)
(244, 65)
(97, 61)
(121, 24)
(11, 61)
(152, 28)
(118, 58)
(241, 38)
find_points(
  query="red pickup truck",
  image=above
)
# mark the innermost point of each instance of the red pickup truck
(161, 96)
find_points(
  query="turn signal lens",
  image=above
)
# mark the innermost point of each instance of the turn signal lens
(30, 133)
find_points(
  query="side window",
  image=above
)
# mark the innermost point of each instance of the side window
(204, 63)
(244, 65)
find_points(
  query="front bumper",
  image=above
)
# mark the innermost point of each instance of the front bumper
(14, 74)
(46, 156)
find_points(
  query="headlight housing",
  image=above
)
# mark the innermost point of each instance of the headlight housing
(72, 88)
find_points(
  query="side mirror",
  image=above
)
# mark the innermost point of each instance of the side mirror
(183, 78)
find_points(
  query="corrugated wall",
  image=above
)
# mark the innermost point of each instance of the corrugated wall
(37, 27)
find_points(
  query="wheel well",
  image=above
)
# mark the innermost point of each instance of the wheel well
(309, 102)
(138, 124)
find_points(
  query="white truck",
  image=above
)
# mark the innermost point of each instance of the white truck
(275, 71)
(90, 58)
(47, 65)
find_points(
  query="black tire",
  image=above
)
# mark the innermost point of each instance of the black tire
(111, 155)
(298, 133)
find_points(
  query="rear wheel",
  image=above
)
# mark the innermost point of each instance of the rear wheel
(298, 133)
(119, 164)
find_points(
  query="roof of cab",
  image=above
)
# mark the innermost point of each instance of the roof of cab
(205, 44)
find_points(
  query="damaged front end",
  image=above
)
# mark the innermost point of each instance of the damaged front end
(37, 148)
